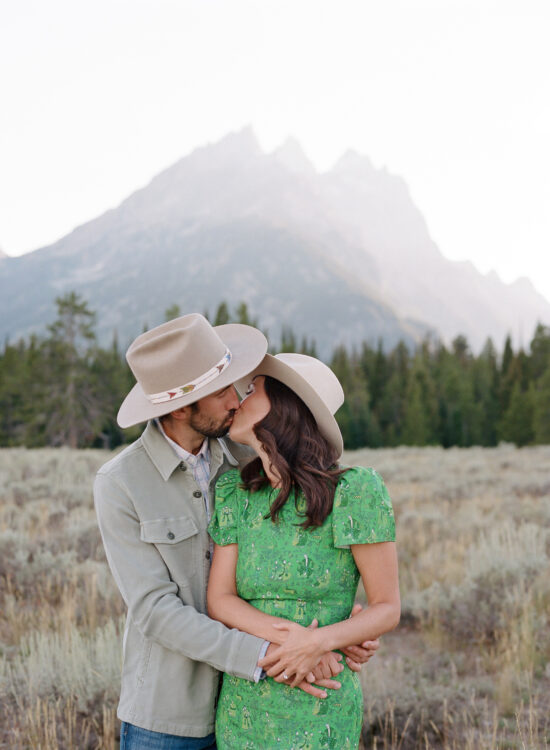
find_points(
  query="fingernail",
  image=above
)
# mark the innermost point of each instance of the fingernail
(323, 695)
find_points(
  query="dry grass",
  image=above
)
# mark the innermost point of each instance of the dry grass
(60, 622)
(469, 667)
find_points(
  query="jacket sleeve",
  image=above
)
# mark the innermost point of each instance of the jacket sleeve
(151, 596)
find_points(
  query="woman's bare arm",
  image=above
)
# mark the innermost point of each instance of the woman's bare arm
(225, 605)
(377, 564)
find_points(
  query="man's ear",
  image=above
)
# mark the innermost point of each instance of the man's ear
(178, 414)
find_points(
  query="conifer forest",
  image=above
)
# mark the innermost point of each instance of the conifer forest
(64, 389)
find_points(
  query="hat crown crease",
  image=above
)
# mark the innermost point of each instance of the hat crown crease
(180, 351)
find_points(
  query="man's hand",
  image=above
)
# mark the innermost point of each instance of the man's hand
(356, 656)
(316, 683)
(316, 690)
(330, 666)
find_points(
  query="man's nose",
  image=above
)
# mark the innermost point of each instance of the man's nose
(232, 399)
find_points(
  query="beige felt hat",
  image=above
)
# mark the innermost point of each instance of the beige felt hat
(184, 360)
(313, 382)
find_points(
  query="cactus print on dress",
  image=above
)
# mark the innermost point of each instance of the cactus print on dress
(298, 574)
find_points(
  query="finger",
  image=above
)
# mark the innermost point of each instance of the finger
(281, 678)
(371, 645)
(267, 661)
(313, 624)
(333, 667)
(276, 669)
(312, 690)
(280, 626)
(356, 609)
(357, 653)
(310, 677)
(353, 665)
(297, 678)
(331, 684)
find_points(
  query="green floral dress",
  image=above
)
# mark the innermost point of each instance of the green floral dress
(297, 574)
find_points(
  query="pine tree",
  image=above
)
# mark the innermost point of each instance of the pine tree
(541, 404)
(485, 381)
(540, 352)
(507, 377)
(288, 340)
(420, 407)
(172, 312)
(222, 314)
(72, 408)
(517, 423)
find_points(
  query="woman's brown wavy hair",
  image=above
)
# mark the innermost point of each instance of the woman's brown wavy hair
(298, 453)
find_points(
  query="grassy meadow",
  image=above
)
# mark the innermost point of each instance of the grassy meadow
(467, 669)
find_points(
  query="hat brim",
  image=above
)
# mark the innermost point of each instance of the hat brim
(247, 345)
(328, 426)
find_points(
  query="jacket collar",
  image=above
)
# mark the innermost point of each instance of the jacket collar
(165, 459)
(159, 451)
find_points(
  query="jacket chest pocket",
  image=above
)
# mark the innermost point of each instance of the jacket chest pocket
(177, 540)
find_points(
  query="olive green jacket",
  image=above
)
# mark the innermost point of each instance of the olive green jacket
(153, 522)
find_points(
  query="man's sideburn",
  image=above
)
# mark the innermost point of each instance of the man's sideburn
(207, 425)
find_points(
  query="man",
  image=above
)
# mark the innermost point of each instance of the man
(153, 503)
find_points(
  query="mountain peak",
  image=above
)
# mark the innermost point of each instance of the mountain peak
(235, 145)
(291, 154)
(351, 162)
(245, 139)
(493, 277)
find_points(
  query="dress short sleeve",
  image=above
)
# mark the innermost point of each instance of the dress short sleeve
(362, 512)
(224, 522)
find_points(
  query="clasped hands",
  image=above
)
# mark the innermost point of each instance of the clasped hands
(301, 660)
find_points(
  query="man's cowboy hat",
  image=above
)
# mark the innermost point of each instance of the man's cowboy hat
(313, 382)
(184, 360)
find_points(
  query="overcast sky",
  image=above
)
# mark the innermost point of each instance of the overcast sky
(452, 95)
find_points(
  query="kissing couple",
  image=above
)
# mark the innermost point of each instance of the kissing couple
(237, 540)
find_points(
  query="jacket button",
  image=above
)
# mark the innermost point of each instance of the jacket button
(207, 555)
(183, 467)
(170, 535)
(197, 493)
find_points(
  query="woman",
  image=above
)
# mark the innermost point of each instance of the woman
(293, 534)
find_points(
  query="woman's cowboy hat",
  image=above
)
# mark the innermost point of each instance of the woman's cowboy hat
(313, 382)
(184, 360)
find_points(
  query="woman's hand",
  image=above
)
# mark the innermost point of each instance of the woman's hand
(330, 666)
(297, 656)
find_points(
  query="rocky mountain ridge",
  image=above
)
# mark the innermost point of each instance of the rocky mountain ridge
(343, 256)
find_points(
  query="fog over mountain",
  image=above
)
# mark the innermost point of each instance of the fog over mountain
(342, 257)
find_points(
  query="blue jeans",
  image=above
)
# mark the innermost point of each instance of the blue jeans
(135, 738)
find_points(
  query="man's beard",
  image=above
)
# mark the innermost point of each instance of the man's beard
(207, 426)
